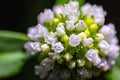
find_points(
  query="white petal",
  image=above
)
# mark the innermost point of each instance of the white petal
(80, 25)
(70, 25)
(60, 30)
(74, 40)
(88, 42)
(37, 32)
(113, 51)
(32, 47)
(51, 38)
(58, 47)
(103, 45)
(47, 16)
(92, 56)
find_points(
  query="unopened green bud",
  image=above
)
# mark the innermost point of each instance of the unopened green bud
(80, 62)
(89, 21)
(64, 38)
(45, 47)
(68, 57)
(93, 27)
(61, 24)
(56, 20)
(87, 32)
(71, 64)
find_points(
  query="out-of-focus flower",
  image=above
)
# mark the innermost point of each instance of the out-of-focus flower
(71, 40)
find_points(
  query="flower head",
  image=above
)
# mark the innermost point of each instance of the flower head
(72, 41)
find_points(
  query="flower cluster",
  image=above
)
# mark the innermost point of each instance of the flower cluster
(72, 41)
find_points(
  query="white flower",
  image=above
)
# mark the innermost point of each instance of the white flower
(70, 25)
(92, 56)
(47, 16)
(60, 30)
(51, 38)
(80, 25)
(85, 8)
(74, 40)
(32, 47)
(88, 42)
(104, 65)
(59, 9)
(96, 11)
(37, 32)
(104, 46)
(99, 19)
(72, 10)
(108, 30)
(113, 51)
(58, 47)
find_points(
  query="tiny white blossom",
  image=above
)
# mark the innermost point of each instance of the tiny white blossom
(59, 9)
(80, 25)
(92, 56)
(99, 19)
(113, 51)
(85, 8)
(108, 30)
(32, 47)
(58, 47)
(74, 40)
(51, 38)
(72, 10)
(104, 46)
(96, 11)
(37, 32)
(112, 40)
(60, 30)
(70, 25)
(47, 16)
(104, 65)
(88, 41)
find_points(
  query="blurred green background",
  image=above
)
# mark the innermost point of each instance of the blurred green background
(18, 15)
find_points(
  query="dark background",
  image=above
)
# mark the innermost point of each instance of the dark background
(18, 15)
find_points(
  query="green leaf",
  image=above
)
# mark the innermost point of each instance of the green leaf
(114, 74)
(12, 57)
(12, 41)
(81, 2)
(11, 63)
(13, 35)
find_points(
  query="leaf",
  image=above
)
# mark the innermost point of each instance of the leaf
(81, 2)
(114, 74)
(11, 41)
(12, 57)
(11, 63)
(13, 35)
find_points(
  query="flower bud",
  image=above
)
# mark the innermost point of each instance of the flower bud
(68, 57)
